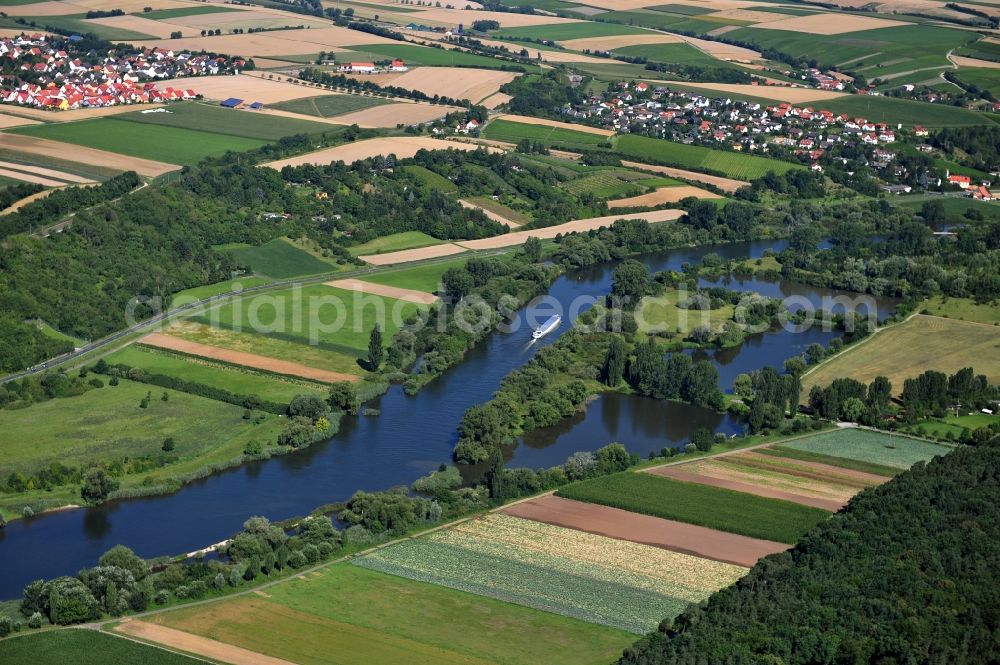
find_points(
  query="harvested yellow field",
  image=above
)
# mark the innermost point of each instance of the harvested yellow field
(908, 349)
(407, 255)
(724, 51)
(409, 295)
(14, 121)
(618, 41)
(131, 6)
(725, 184)
(495, 100)
(277, 42)
(248, 87)
(662, 195)
(259, 43)
(579, 225)
(455, 82)
(30, 178)
(586, 129)
(401, 146)
(77, 153)
(390, 115)
(829, 24)
(963, 61)
(779, 92)
(146, 26)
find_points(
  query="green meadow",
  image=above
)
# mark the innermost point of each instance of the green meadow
(337, 319)
(371, 618)
(394, 243)
(244, 381)
(731, 164)
(425, 277)
(85, 647)
(712, 507)
(162, 143)
(513, 132)
(228, 122)
(278, 258)
(327, 106)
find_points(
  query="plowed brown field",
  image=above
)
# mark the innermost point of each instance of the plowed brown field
(668, 534)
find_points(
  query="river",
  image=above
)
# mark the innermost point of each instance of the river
(410, 437)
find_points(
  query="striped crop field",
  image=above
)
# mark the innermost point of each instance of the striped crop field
(602, 580)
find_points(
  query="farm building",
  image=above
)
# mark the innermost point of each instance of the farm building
(231, 103)
(358, 67)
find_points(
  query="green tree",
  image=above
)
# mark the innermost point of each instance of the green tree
(344, 398)
(168, 444)
(630, 281)
(97, 485)
(533, 249)
(614, 362)
(494, 475)
(120, 556)
(703, 439)
(376, 351)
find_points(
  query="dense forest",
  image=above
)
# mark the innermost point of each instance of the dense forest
(980, 145)
(907, 573)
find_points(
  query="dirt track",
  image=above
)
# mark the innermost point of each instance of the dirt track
(203, 646)
(76, 153)
(518, 237)
(408, 295)
(725, 184)
(286, 367)
(624, 525)
(662, 195)
(407, 255)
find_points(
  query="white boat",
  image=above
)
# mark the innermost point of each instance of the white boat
(547, 327)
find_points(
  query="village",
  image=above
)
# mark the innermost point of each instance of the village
(52, 74)
(812, 134)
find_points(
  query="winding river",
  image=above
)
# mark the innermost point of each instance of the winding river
(412, 436)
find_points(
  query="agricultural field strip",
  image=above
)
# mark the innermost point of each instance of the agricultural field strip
(169, 342)
(496, 217)
(48, 173)
(388, 291)
(711, 507)
(749, 485)
(607, 559)
(190, 643)
(897, 451)
(560, 570)
(744, 468)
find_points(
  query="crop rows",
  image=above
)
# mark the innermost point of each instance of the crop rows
(578, 552)
(712, 507)
(578, 596)
(597, 579)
